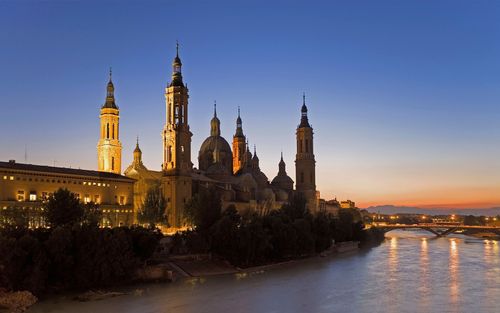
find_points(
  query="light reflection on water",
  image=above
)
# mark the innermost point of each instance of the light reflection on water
(410, 272)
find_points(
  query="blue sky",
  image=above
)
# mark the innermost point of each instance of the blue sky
(404, 96)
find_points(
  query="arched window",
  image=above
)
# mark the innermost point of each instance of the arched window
(112, 163)
(113, 130)
(300, 146)
(107, 130)
(307, 146)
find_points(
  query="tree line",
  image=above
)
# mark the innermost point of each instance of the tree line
(74, 253)
(288, 233)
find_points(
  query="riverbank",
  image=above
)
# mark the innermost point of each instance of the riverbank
(198, 266)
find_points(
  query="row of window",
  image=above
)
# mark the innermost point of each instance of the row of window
(117, 211)
(113, 128)
(45, 195)
(47, 180)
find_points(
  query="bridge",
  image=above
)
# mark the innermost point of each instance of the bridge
(438, 229)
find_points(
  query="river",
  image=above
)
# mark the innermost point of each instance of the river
(409, 272)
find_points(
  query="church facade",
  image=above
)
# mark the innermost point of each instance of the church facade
(231, 169)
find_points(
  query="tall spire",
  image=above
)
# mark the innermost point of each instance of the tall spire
(110, 93)
(281, 166)
(304, 122)
(137, 145)
(215, 123)
(176, 69)
(239, 126)
(110, 73)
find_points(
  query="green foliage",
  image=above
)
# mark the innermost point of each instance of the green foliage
(63, 208)
(92, 214)
(72, 256)
(204, 210)
(153, 209)
(14, 217)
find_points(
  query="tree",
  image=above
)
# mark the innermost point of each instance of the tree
(92, 214)
(63, 208)
(153, 209)
(14, 217)
(296, 208)
(204, 210)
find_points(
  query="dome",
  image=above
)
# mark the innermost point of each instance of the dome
(283, 182)
(206, 154)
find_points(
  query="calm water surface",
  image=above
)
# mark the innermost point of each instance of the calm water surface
(409, 272)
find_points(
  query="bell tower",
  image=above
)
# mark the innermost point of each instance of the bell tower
(305, 164)
(238, 146)
(109, 147)
(177, 165)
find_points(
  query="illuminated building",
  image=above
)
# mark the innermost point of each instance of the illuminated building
(109, 148)
(305, 164)
(27, 186)
(235, 174)
(348, 204)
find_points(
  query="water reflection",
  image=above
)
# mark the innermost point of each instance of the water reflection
(424, 287)
(406, 273)
(454, 273)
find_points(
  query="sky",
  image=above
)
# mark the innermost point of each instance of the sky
(403, 96)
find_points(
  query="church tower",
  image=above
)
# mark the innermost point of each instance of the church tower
(305, 164)
(109, 147)
(238, 146)
(177, 165)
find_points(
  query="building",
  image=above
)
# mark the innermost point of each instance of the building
(27, 186)
(235, 172)
(347, 204)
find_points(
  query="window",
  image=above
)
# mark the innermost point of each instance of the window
(5, 177)
(112, 163)
(97, 199)
(20, 195)
(302, 177)
(300, 146)
(32, 195)
(86, 199)
(307, 146)
(12, 178)
(122, 200)
(113, 131)
(107, 130)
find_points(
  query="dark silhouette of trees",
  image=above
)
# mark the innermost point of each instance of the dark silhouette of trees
(153, 209)
(63, 208)
(204, 210)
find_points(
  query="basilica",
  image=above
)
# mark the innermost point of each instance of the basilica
(230, 168)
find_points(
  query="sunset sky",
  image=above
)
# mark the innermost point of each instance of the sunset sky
(403, 96)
